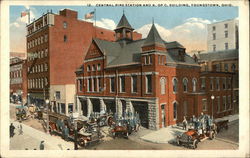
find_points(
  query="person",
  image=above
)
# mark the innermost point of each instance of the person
(184, 122)
(20, 128)
(66, 133)
(42, 145)
(12, 129)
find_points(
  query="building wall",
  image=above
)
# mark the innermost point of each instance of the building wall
(220, 35)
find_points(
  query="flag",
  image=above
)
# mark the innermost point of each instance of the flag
(89, 15)
(24, 13)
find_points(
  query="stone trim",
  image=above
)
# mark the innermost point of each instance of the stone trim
(93, 59)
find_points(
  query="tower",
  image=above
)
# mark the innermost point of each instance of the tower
(124, 31)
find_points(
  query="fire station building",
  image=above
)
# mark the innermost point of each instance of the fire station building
(152, 77)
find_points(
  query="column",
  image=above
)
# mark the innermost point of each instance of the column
(90, 107)
(66, 108)
(129, 108)
(153, 115)
(119, 108)
(103, 107)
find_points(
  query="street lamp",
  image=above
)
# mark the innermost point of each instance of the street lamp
(47, 105)
(28, 95)
(212, 97)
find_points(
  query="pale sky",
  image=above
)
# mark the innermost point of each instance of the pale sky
(186, 25)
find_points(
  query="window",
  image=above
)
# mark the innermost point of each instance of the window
(225, 25)
(89, 84)
(224, 103)
(46, 81)
(203, 83)
(93, 67)
(64, 25)
(175, 111)
(148, 59)
(224, 84)
(211, 84)
(226, 34)
(161, 59)
(46, 52)
(42, 83)
(95, 84)
(148, 83)
(39, 83)
(41, 67)
(214, 28)
(122, 83)
(233, 67)
(38, 68)
(65, 38)
(214, 36)
(38, 40)
(88, 68)
(226, 67)
(175, 85)
(226, 46)
(99, 67)
(80, 85)
(35, 42)
(99, 84)
(217, 67)
(214, 47)
(112, 84)
(163, 85)
(41, 39)
(229, 83)
(218, 83)
(218, 104)
(185, 108)
(194, 84)
(39, 55)
(42, 54)
(134, 84)
(204, 104)
(45, 67)
(46, 38)
(229, 102)
(185, 85)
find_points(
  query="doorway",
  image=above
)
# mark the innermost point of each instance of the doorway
(163, 116)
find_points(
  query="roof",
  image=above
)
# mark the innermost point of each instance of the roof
(130, 53)
(174, 44)
(218, 55)
(153, 37)
(123, 23)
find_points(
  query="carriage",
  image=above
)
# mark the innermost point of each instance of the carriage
(87, 132)
(21, 113)
(221, 124)
(202, 130)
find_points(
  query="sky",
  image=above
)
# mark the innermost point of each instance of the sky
(186, 25)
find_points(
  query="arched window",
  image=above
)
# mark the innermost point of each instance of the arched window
(194, 81)
(175, 110)
(163, 85)
(185, 84)
(175, 85)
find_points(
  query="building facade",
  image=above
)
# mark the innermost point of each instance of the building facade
(223, 35)
(56, 46)
(223, 62)
(18, 80)
(151, 77)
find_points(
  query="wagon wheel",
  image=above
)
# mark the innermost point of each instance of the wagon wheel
(195, 143)
(212, 135)
(226, 127)
(109, 121)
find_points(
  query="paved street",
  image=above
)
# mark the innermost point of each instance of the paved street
(34, 133)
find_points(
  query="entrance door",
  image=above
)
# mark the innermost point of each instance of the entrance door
(163, 116)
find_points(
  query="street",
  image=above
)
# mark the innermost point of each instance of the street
(34, 133)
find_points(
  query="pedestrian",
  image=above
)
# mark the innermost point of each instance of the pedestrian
(20, 128)
(42, 145)
(184, 122)
(66, 133)
(12, 130)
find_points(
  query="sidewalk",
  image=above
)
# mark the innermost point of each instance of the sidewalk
(168, 134)
(31, 138)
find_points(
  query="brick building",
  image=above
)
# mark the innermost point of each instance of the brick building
(18, 80)
(148, 76)
(223, 62)
(56, 46)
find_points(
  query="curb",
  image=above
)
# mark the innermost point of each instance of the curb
(227, 141)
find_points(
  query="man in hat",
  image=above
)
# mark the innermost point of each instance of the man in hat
(42, 145)
(12, 129)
